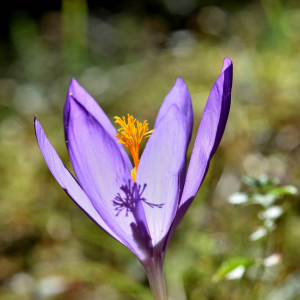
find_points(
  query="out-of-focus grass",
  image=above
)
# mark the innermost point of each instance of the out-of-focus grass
(48, 248)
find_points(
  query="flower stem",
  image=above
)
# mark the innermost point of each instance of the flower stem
(155, 274)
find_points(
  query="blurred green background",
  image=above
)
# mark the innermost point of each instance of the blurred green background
(127, 55)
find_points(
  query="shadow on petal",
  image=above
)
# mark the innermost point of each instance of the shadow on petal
(130, 202)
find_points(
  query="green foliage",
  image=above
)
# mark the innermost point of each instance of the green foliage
(263, 191)
(233, 268)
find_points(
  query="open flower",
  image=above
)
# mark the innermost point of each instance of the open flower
(139, 206)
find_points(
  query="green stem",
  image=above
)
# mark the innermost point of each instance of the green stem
(155, 274)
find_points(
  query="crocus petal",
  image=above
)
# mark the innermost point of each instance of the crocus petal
(210, 131)
(87, 101)
(209, 135)
(159, 168)
(67, 181)
(104, 177)
(179, 95)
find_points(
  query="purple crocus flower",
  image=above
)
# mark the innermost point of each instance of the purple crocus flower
(141, 206)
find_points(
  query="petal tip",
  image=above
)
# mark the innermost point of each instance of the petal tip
(179, 80)
(180, 83)
(73, 87)
(35, 121)
(73, 81)
(226, 64)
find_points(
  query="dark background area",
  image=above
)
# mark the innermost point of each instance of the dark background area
(104, 8)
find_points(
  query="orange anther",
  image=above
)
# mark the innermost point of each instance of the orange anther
(131, 134)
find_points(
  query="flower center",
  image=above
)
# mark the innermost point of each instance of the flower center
(131, 134)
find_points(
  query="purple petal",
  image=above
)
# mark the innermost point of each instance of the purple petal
(179, 95)
(82, 97)
(160, 168)
(67, 181)
(102, 173)
(209, 135)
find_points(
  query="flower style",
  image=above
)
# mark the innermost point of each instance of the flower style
(141, 206)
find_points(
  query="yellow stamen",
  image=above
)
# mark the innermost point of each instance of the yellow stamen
(131, 135)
